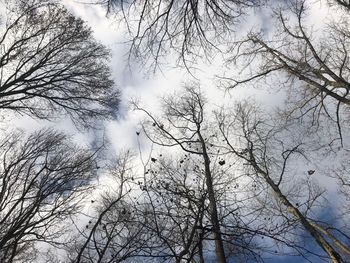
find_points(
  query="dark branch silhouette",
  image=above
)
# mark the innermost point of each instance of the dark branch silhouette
(50, 65)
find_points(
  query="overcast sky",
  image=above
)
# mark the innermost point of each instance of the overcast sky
(135, 82)
(138, 83)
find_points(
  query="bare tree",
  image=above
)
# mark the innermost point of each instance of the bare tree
(50, 64)
(184, 125)
(173, 210)
(166, 212)
(190, 28)
(44, 179)
(313, 67)
(186, 113)
(141, 218)
(179, 211)
(255, 141)
(113, 232)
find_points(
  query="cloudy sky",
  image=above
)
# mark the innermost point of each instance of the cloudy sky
(136, 82)
(139, 84)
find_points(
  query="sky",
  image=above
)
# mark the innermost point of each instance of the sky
(147, 87)
(139, 84)
(135, 83)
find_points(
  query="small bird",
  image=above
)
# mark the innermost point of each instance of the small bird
(222, 162)
(153, 159)
(311, 172)
(137, 133)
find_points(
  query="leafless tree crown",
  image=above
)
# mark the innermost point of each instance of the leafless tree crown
(51, 65)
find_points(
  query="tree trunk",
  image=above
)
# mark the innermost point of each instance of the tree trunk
(219, 246)
(320, 240)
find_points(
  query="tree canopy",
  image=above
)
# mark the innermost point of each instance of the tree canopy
(51, 65)
(235, 180)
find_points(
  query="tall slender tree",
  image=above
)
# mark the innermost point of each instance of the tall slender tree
(260, 140)
(184, 125)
